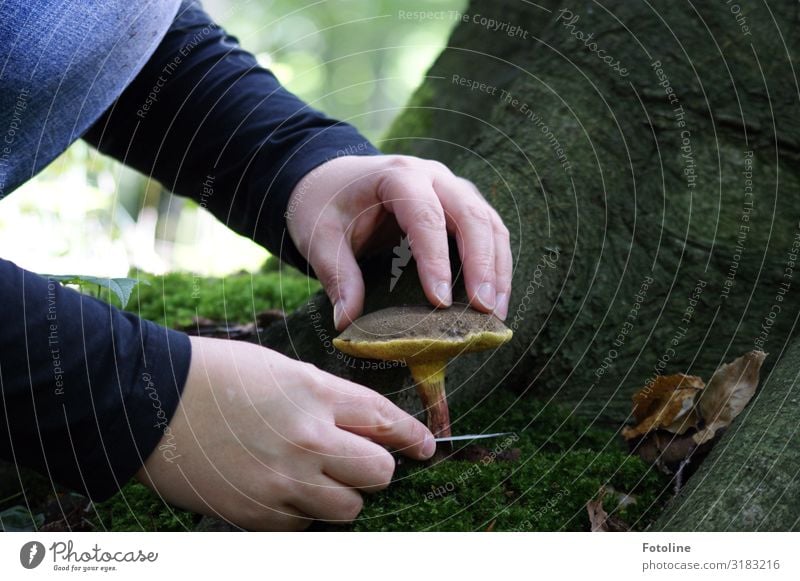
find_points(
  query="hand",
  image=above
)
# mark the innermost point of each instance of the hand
(336, 211)
(270, 443)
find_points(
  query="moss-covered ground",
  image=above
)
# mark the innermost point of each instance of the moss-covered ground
(561, 464)
(174, 300)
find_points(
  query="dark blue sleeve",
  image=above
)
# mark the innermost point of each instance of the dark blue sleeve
(86, 390)
(209, 123)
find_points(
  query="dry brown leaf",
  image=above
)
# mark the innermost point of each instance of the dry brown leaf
(597, 515)
(600, 520)
(667, 403)
(729, 391)
(665, 450)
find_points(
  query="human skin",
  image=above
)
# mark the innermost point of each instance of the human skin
(337, 211)
(271, 443)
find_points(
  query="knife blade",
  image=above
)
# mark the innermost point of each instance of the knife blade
(471, 437)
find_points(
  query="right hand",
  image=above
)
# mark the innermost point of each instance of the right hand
(270, 443)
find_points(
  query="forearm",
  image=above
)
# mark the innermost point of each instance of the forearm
(87, 390)
(209, 123)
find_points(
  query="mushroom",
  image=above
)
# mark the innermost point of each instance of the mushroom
(425, 338)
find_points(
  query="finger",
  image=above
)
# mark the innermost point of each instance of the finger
(331, 257)
(469, 218)
(283, 518)
(328, 500)
(365, 412)
(358, 462)
(419, 213)
(504, 265)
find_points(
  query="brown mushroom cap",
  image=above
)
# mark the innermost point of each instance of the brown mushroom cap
(419, 333)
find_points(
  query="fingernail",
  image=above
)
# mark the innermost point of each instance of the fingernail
(443, 293)
(487, 295)
(501, 311)
(429, 446)
(338, 314)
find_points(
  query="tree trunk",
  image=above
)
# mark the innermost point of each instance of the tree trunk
(654, 205)
(606, 185)
(644, 157)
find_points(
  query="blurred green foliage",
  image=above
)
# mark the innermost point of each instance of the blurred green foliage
(357, 60)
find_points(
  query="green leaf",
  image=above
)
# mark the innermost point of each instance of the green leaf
(120, 287)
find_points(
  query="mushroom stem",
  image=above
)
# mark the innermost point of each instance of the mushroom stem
(429, 377)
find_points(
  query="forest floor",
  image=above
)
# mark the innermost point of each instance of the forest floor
(539, 479)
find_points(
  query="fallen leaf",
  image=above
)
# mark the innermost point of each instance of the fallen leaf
(665, 450)
(66, 512)
(667, 403)
(731, 388)
(600, 520)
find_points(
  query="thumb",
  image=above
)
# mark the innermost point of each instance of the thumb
(332, 259)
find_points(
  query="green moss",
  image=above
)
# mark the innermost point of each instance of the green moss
(174, 300)
(563, 461)
(136, 508)
(561, 467)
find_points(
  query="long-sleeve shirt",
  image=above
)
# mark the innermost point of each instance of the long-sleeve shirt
(87, 390)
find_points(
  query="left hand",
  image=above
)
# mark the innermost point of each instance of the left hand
(338, 210)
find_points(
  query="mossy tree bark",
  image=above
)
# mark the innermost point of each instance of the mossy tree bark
(644, 157)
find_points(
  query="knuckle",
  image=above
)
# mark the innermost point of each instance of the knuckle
(471, 187)
(281, 488)
(402, 162)
(328, 275)
(385, 470)
(310, 377)
(350, 508)
(305, 436)
(428, 217)
(326, 230)
(437, 166)
(477, 213)
(384, 415)
(482, 258)
(501, 231)
(418, 431)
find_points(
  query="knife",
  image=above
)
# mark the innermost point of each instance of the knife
(471, 437)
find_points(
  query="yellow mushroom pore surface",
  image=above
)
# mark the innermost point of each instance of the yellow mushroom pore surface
(422, 349)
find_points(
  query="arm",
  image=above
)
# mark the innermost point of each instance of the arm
(259, 439)
(266, 441)
(87, 390)
(202, 107)
(209, 123)
(90, 396)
